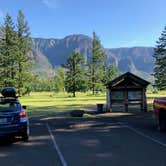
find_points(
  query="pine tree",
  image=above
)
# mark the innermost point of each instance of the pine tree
(160, 62)
(96, 65)
(75, 76)
(110, 73)
(8, 53)
(24, 58)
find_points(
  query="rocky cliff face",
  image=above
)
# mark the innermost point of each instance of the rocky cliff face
(138, 60)
(57, 51)
(50, 53)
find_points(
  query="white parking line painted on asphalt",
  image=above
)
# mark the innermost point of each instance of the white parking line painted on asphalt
(143, 135)
(56, 146)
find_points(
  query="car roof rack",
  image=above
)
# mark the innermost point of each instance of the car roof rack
(8, 99)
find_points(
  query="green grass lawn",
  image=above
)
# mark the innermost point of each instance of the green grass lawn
(45, 103)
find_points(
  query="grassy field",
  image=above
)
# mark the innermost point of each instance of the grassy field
(45, 103)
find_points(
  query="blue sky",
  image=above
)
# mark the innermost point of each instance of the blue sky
(118, 23)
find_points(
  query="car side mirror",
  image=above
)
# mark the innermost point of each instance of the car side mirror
(24, 107)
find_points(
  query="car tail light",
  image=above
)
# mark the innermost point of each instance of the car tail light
(23, 114)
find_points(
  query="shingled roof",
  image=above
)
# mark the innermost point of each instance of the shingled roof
(127, 76)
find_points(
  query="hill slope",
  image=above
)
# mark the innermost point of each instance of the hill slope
(50, 53)
(57, 51)
(138, 60)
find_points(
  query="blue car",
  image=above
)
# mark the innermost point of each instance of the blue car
(13, 118)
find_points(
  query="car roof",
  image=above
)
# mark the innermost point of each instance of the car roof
(8, 100)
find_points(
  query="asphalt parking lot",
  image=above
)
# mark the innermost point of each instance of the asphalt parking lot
(130, 140)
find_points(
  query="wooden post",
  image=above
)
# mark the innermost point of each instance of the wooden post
(142, 106)
(126, 99)
(108, 105)
(144, 100)
(126, 107)
(110, 110)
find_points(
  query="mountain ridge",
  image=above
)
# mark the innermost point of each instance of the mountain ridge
(137, 59)
(50, 53)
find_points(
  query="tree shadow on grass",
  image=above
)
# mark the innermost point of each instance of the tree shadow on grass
(64, 111)
(56, 110)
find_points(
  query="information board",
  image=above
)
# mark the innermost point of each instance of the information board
(133, 95)
(118, 95)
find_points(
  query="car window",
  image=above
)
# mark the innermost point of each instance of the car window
(8, 107)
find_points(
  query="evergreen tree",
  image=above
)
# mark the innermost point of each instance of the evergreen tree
(24, 58)
(160, 62)
(75, 76)
(96, 65)
(8, 53)
(110, 73)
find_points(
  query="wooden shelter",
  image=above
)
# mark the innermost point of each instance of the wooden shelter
(127, 89)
